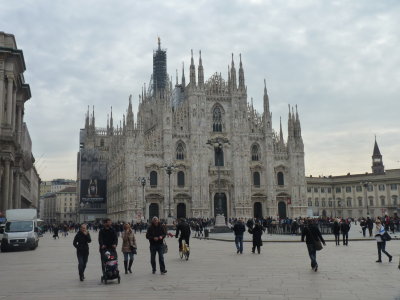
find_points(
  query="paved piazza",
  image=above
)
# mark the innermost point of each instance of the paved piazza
(214, 271)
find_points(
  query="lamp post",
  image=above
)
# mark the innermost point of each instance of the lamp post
(142, 181)
(365, 184)
(217, 143)
(169, 169)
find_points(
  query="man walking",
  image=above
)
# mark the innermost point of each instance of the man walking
(370, 226)
(156, 234)
(239, 230)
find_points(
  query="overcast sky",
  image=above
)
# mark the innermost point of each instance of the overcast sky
(337, 60)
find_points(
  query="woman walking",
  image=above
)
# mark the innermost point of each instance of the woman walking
(81, 243)
(128, 247)
(313, 238)
(381, 243)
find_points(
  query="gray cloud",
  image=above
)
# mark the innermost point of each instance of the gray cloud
(337, 60)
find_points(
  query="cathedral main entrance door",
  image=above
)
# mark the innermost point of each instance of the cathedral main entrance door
(258, 210)
(282, 209)
(181, 210)
(220, 204)
(154, 211)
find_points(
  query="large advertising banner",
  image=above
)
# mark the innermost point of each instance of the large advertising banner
(93, 177)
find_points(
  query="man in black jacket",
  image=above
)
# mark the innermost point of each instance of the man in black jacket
(312, 235)
(81, 241)
(108, 240)
(370, 226)
(184, 229)
(239, 230)
(156, 234)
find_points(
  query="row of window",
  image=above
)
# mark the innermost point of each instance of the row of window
(219, 154)
(181, 178)
(349, 203)
(348, 189)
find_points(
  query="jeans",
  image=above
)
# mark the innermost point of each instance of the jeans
(239, 243)
(128, 256)
(381, 248)
(82, 261)
(313, 255)
(364, 229)
(337, 238)
(157, 249)
(345, 238)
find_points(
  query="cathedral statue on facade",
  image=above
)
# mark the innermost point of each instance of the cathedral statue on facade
(196, 150)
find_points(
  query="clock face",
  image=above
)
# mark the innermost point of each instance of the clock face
(377, 160)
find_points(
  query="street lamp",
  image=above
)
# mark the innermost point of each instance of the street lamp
(365, 184)
(217, 143)
(142, 181)
(169, 169)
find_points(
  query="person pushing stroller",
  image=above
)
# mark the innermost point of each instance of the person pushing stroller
(108, 241)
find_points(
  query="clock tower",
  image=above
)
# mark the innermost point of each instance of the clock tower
(377, 163)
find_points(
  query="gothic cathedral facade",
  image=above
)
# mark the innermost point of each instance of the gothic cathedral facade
(197, 150)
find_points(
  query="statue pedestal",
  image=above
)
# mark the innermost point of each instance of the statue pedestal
(220, 225)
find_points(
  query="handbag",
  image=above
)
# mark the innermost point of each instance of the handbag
(165, 247)
(318, 245)
(386, 237)
(133, 250)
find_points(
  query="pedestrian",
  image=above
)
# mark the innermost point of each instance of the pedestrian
(363, 224)
(239, 230)
(381, 243)
(257, 232)
(313, 239)
(336, 231)
(81, 243)
(156, 234)
(55, 232)
(370, 226)
(345, 228)
(108, 241)
(129, 248)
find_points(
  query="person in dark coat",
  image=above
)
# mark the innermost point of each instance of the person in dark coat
(370, 226)
(312, 234)
(184, 229)
(363, 225)
(239, 230)
(257, 232)
(345, 228)
(156, 234)
(336, 231)
(81, 243)
(108, 241)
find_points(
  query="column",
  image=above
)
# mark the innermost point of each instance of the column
(14, 107)
(6, 181)
(19, 123)
(11, 190)
(2, 101)
(9, 99)
(17, 193)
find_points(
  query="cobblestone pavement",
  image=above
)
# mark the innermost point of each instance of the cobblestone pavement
(214, 271)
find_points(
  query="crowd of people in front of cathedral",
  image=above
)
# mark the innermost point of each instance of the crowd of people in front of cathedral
(311, 231)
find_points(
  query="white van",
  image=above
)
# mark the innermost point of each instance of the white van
(21, 230)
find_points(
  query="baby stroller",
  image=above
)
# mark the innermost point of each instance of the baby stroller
(110, 266)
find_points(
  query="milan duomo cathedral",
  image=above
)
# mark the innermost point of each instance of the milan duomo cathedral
(194, 149)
